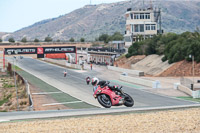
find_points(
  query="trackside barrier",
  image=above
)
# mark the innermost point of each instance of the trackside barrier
(194, 94)
(76, 66)
(64, 63)
(29, 96)
(140, 81)
(27, 91)
(129, 71)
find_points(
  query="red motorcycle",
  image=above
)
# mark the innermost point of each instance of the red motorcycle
(107, 97)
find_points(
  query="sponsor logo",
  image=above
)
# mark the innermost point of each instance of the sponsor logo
(40, 50)
(20, 51)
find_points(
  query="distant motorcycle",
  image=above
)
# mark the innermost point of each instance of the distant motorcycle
(65, 73)
(107, 98)
(88, 80)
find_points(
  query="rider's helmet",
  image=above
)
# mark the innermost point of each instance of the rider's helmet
(95, 81)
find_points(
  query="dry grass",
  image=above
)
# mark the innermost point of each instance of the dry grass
(8, 98)
(174, 121)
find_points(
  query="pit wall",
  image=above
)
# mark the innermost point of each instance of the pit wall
(128, 71)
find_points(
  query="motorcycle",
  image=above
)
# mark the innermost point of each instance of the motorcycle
(88, 80)
(107, 97)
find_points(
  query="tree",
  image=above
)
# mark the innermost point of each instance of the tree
(104, 37)
(48, 39)
(11, 39)
(0, 40)
(24, 40)
(82, 39)
(117, 36)
(71, 39)
(58, 40)
(36, 40)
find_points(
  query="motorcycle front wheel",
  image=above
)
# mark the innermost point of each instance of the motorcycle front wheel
(104, 100)
(129, 102)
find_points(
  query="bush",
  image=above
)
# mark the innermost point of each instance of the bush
(48, 39)
(11, 39)
(71, 39)
(174, 47)
(36, 40)
(24, 40)
(82, 40)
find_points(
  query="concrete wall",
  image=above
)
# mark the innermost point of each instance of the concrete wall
(140, 81)
(76, 66)
(184, 89)
(64, 63)
(128, 71)
(194, 94)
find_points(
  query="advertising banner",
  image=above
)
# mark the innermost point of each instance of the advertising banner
(69, 49)
(9, 51)
(40, 50)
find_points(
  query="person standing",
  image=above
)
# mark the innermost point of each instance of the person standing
(91, 66)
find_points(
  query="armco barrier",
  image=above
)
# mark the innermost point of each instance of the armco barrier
(129, 71)
(28, 92)
(140, 81)
(29, 96)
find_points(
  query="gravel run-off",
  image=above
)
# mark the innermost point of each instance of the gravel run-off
(171, 121)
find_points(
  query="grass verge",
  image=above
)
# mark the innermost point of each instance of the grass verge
(60, 97)
(190, 99)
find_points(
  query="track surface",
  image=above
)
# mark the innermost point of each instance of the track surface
(75, 85)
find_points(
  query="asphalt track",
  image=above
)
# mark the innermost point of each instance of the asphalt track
(75, 85)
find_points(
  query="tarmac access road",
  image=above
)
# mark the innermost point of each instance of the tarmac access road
(74, 84)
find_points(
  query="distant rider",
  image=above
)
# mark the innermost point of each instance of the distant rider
(65, 73)
(88, 80)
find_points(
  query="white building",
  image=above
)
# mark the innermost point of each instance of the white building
(141, 24)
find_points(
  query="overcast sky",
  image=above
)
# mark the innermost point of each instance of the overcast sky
(16, 14)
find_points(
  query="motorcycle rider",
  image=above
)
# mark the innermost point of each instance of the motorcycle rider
(95, 82)
(88, 80)
(65, 73)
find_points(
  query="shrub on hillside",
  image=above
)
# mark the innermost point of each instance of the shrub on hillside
(174, 47)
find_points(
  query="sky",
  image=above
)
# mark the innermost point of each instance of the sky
(17, 14)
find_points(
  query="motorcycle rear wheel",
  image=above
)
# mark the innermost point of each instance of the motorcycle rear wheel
(104, 100)
(129, 102)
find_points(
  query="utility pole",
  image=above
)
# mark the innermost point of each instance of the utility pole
(193, 68)
(192, 85)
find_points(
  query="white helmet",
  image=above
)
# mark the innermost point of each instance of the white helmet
(95, 81)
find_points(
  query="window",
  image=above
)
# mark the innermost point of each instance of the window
(142, 16)
(127, 39)
(136, 27)
(141, 28)
(136, 16)
(153, 27)
(131, 16)
(132, 27)
(147, 15)
(147, 26)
